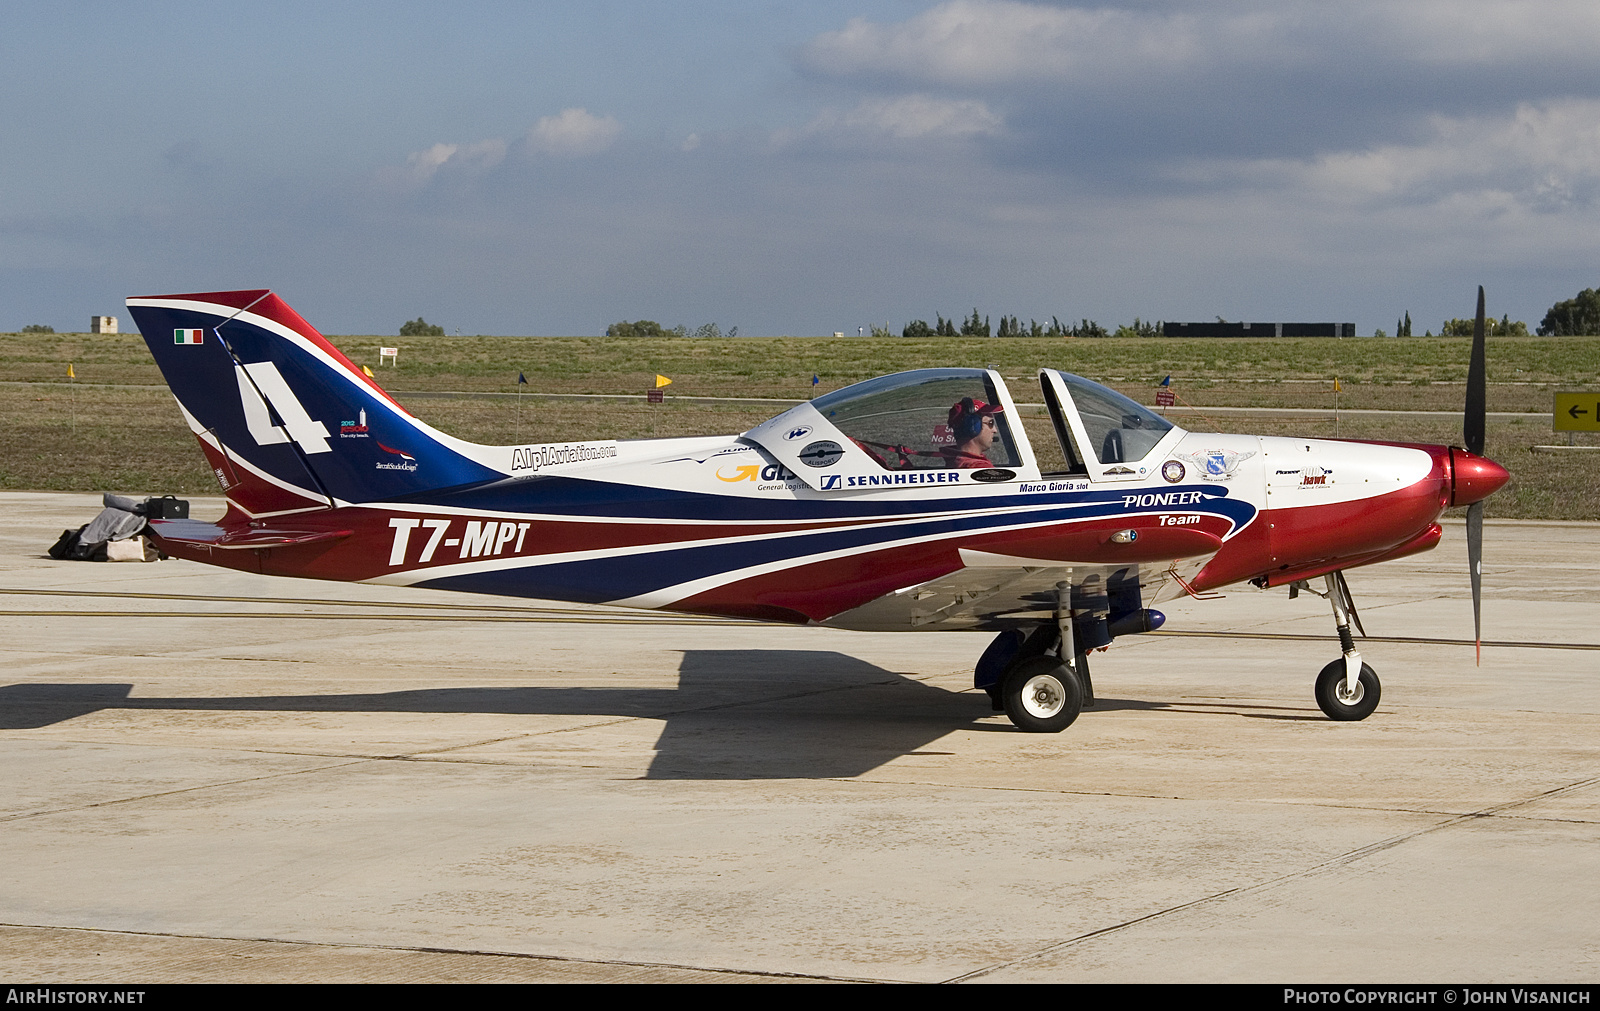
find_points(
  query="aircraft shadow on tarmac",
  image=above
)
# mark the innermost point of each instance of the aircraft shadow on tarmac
(735, 714)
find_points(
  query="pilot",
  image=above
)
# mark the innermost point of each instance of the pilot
(973, 425)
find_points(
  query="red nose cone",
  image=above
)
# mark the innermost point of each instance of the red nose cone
(1477, 477)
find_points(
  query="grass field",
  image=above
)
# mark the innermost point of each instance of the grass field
(117, 429)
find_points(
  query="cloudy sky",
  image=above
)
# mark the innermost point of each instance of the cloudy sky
(801, 168)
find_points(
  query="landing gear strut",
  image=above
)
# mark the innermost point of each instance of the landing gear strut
(1347, 689)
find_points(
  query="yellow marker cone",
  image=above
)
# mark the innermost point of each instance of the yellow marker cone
(71, 374)
(662, 381)
(367, 371)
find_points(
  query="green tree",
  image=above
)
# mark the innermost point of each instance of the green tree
(1576, 316)
(420, 327)
(973, 327)
(38, 328)
(1139, 328)
(1089, 328)
(918, 328)
(879, 332)
(709, 331)
(646, 328)
(946, 328)
(1502, 327)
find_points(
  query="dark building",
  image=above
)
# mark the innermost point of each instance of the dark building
(1259, 329)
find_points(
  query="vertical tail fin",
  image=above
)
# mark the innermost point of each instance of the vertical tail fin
(286, 420)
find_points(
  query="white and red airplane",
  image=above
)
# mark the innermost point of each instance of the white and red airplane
(911, 502)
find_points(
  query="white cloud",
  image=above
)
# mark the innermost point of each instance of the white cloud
(573, 133)
(422, 166)
(1540, 157)
(979, 43)
(907, 117)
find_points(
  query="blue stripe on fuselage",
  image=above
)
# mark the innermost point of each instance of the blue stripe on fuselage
(633, 572)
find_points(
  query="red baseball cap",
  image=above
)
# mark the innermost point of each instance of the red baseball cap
(967, 407)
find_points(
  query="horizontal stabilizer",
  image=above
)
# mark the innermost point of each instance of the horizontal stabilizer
(194, 533)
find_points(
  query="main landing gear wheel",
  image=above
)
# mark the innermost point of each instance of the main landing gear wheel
(1333, 700)
(1041, 695)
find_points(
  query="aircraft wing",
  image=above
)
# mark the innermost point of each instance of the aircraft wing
(995, 592)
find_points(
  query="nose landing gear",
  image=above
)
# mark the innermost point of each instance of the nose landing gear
(1347, 689)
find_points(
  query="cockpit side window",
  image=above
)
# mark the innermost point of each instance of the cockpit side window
(1069, 447)
(1120, 430)
(931, 419)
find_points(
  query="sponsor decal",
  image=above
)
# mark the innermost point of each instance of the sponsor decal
(796, 433)
(1218, 464)
(1281, 472)
(993, 474)
(407, 462)
(354, 429)
(1180, 521)
(832, 482)
(1173, 471)
(1315, 477)
(1161, 500)
(903, 478)
(1119, 470)
(756, 472)
(535, 458)
(821, 454)
(188, 336)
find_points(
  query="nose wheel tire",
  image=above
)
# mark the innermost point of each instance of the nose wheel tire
(1336, 703)
(1041, 695)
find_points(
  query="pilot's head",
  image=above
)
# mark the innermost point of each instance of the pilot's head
(969, 418)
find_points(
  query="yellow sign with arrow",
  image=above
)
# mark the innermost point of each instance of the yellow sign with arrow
(1577, 412)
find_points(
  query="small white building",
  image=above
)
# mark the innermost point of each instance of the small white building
(102, 324)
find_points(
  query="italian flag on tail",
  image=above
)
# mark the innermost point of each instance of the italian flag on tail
(187, 336)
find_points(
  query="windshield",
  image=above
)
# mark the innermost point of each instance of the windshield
(1120, 430)
(923, 420)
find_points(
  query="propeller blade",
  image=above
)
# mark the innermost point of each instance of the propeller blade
(1350, 603)
(1473, 419)
(1475, 563)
